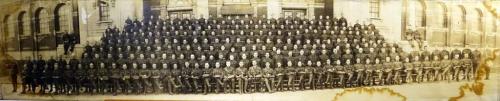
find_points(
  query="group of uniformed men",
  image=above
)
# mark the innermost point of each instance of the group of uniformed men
(242, 55)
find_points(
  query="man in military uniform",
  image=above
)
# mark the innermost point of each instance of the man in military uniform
(417, 68)
(240, 73)
(145, 75)
(340, 73)
(196, 73)
(56, 78)
(388, 67)
(26, 75)
(319, 73)
(229, 78)
(185, 77)
(103, 81)
(408, 69)
(80, 78)
(445, 67)
(330, 74)
(115, 78)
(369, 68)
(280, 74)
(176, 76)
(92, 78)
(254, 76)
(167, 79)
(68, 77)
(135, 78)
(269, 74)
(466, 67)
(218, 74)
(155, 77)
(359, 70)
(457, 64)
(427, 68)
(398, 65)
(379, 71)
(207, 71)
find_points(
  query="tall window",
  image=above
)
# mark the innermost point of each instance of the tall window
(420, 14)
(62, 17)
(443, 19)
(479, 19)
(41, 21)
(375, 8)
(237, 1)
(5, 28)
(23, 24)
(103, 11)
(494, 26)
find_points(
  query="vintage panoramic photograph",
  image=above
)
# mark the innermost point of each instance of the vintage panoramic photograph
(250, 50)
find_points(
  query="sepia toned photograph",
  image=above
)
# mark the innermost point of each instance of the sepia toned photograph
(250, 50)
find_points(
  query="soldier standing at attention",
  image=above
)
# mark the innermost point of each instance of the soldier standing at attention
(14, 71)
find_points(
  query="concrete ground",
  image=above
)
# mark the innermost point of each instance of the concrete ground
(435, 91)
(483, 90)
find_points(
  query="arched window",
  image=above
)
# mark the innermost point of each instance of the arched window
(459, 17)
(23, 24)
(62, 18)
(479, 20)
(6, 30)
(420, 14)
(41, 21)
(494, 24)
(442, 15)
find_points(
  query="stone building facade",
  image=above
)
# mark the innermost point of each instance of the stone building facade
(31, 27)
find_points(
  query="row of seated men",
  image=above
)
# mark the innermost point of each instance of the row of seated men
(243, 76)
(193, 23)
(272, 34)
